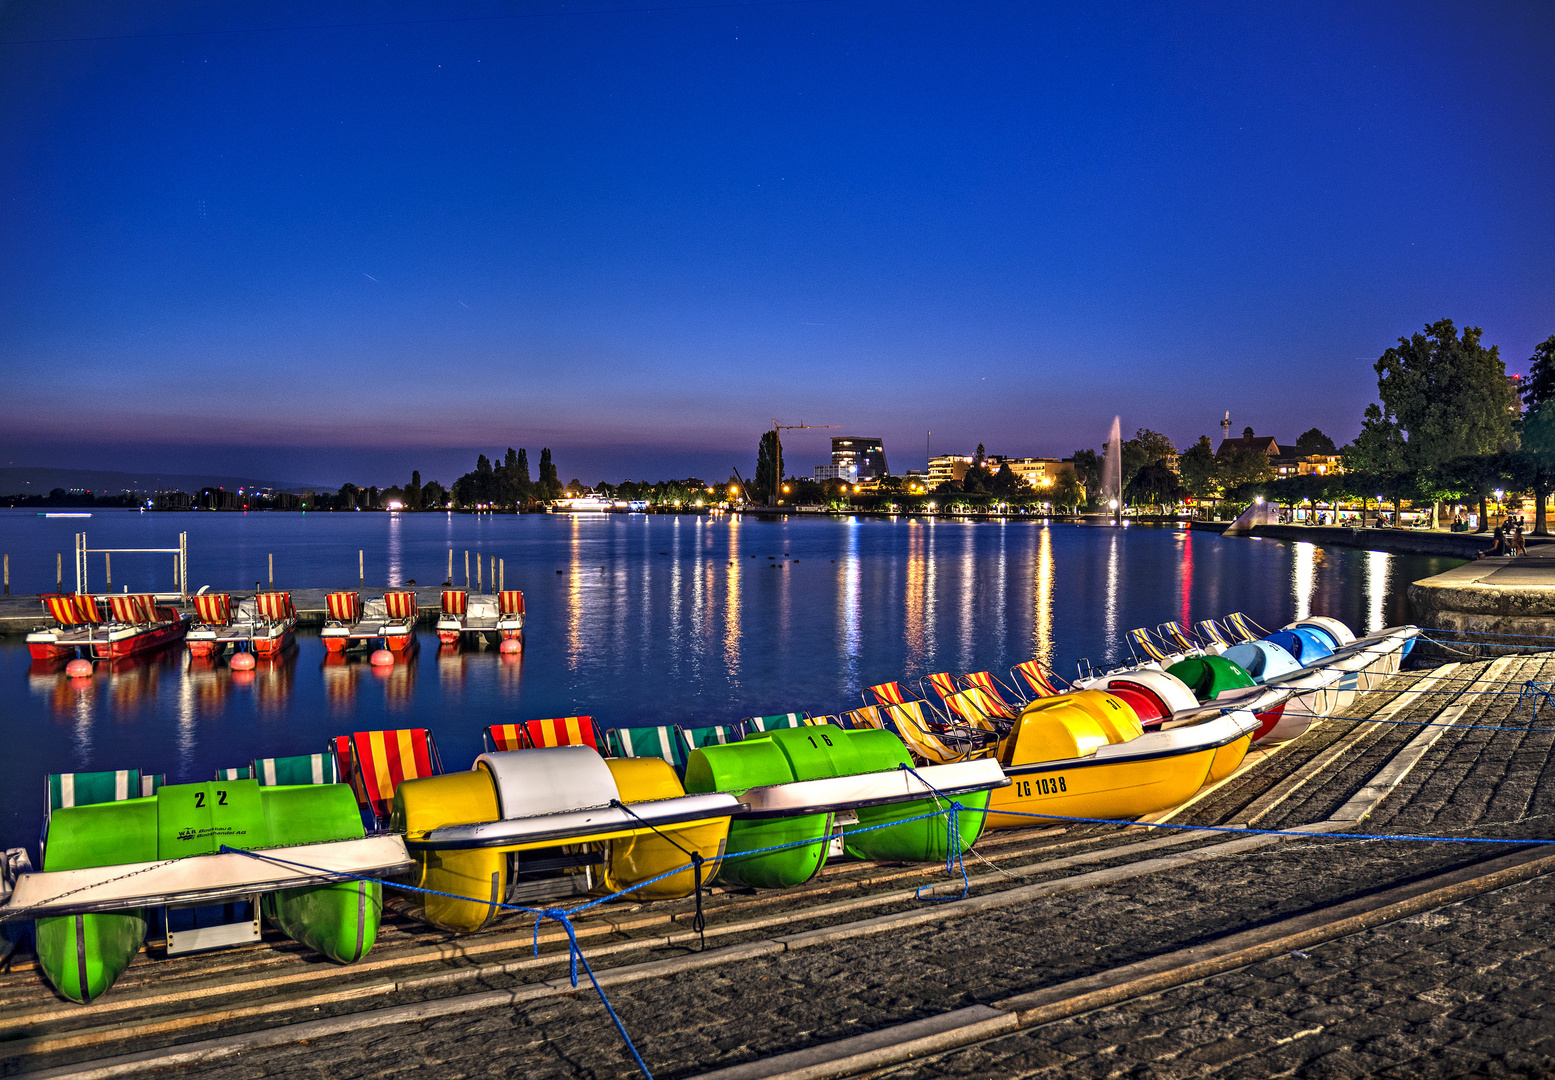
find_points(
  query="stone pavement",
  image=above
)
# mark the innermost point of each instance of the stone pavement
(1457, 991)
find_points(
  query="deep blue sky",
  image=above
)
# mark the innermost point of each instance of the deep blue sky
(331, 241)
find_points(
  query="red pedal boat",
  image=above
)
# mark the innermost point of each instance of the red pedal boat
(133, 623)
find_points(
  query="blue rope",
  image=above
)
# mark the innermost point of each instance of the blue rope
(1482, 633)
(953, 859)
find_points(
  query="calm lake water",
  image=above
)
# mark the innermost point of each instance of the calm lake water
(633, 619)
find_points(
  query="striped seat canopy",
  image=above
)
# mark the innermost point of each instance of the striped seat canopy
(887, 693)
(694, 738)
(243, 772)
(344, 606)
(935, 745)
(1005, 698)
(1177, 634)
(1210, 631)
(455, 601)
(400, 605)
(978, 708)
(776, 722)
(510, 602)
(1037, 678)
(562, 731)
(867, 717)
(87, 611)
(275, 605)
(133, 607)
(90, 788)
(61, 608)
(380, 760)
(644, 742)
(1147, 644)
(213, 609)
(943, 682)
(298, 769)
(504, 737)
(150, 782)
(1240, 624)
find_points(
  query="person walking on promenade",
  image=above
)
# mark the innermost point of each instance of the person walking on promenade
(1518, 547)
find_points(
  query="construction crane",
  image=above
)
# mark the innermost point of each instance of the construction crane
(778, 427)
(744, 495)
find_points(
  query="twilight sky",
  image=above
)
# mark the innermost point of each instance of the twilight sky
(335, 241)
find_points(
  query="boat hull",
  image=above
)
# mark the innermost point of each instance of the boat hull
(106, 643)
(83, 955)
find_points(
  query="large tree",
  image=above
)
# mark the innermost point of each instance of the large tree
(1539, 387)
(1539, 450)
(1447, 395)
(1313, 442)
(1196, 466)
(1087, 470)
(769, 467)
(550, 485)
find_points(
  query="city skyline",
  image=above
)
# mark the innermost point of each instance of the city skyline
(331, 244)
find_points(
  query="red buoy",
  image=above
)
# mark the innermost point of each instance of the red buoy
(381, 658)
(243, 661)
(510, 645)
(79, 669)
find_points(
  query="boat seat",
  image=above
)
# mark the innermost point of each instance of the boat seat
(943, 682)
(1140, 638)
(862, 719)
(133, 607)
(213, 609)
(455, 601)
(62, 608)
(887, 693)
(661, 742)
(694, 738)
(399, 606)
(756, 725)
(510, 602)
(1177, 634)
(245, 772)
(343, 607)
(381, 760)
(61, 790)
(1034, 676)
(299, 769)
(502, 737)
(562, 731)
(1001, 695)
(943, 745)
(1243, 627)
(150, 783)
(275, 606)
(1210, 633)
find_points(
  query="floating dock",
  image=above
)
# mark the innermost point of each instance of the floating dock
(20, 614)
(1083, 949)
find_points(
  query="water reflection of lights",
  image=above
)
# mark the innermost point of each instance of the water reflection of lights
(915, 599)
(396, 561)
(848, 600)
(1303, 578)
(1185, 575)
(575, 596)
(1042, 600)
(967, 601)
(1110, 640)
(340, 678)
(1377, 571)
(732, 613)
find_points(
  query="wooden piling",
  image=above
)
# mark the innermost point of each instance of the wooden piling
(108, 569)
(502, 578)
(8, 575)
(450, 567)
(59, 572)
(493, 573)
(361, 572)
(480, 586)
(272, 569)
(466, 569)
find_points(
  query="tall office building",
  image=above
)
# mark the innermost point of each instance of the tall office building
(860, 459)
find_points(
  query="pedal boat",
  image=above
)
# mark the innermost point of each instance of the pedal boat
(488, 619)
(1087, 754)
(389, 619)
(264, 624)
(105, 865)
(136, 623)
(522, 825)
(820, 787)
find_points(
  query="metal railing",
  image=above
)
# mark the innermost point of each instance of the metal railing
(180, 564)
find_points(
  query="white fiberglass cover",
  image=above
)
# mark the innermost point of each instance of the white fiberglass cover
(549, 780)
(1172, 691)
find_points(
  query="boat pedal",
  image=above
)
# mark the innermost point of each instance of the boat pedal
(840, 822)
(196, 938)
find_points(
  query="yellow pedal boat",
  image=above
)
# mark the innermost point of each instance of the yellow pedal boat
(525, 825)
(1086, 754)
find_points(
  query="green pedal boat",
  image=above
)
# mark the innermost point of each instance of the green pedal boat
(805, 786)
(107, 865)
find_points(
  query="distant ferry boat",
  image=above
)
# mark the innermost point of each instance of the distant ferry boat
(585, 504)
(64, 515)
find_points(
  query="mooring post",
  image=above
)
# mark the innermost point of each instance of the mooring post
(8, 575)
(361, 573)
(59, 571)
(466, 569)
(108, 569)
(450, 567)
(183, 567)
(502, 570)
(493, 573)
(272, 570)
(480, 586)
